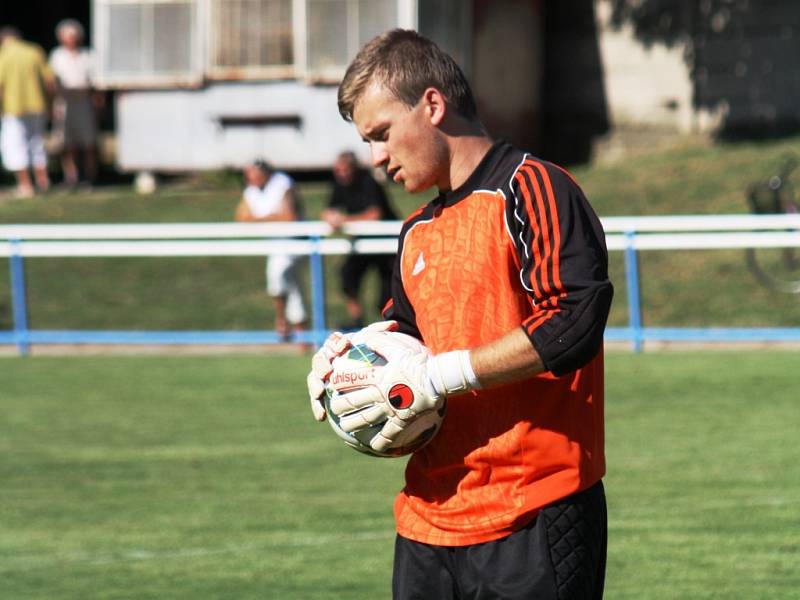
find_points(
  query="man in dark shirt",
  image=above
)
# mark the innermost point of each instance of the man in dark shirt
(357, 196)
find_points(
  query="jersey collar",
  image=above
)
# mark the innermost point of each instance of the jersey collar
(478, 177)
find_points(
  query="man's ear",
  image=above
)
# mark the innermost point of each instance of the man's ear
(435, 105)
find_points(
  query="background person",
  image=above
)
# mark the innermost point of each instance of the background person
(74, 119)
(26, 83)
(271, 196)
(504, 277)
(356, 196)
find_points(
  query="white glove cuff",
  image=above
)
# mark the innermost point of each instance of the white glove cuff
(452, 373)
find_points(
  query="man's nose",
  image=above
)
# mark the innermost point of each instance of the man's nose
(379, 154)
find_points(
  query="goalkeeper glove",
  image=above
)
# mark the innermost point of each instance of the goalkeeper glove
(411, 383)
(321, 368)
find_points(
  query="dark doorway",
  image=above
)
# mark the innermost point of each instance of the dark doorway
(37, 19)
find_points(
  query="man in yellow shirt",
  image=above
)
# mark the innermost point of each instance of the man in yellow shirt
(26, 82)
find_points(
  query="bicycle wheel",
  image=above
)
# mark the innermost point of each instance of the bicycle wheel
(775, 268)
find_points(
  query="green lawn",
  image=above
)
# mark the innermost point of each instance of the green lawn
(206, 477)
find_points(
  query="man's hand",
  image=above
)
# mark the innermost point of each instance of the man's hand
(321, 367)
(334, 218)
(411, 383)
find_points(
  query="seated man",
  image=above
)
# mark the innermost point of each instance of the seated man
(271, 196)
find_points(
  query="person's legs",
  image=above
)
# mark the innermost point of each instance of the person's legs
(69, 167)
(90, 164)
(560, 555)
(281, 324)
(355, 312)
(35, 126)
(14, 150)
(295, 307)
(81, 133)
(25, 187)
(42, 178)
(352, 273)
(284, 287)
(276, 288)
(422, 572)
(577, 534)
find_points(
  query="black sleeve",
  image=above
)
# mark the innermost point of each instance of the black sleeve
(563, 260)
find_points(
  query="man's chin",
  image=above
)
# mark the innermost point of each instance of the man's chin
(414, 187)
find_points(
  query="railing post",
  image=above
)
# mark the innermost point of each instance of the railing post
(317, 293)
(19, 302)
(634, 295)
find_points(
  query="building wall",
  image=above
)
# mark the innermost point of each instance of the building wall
(507, 65)
(291, 124)
(729, 67)
(746, 63)
(645, 86)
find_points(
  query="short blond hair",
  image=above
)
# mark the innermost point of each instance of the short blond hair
(406, 63)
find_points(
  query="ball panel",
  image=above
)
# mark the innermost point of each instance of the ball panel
(365, 354)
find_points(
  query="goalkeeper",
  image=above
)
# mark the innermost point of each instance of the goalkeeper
(504, 277)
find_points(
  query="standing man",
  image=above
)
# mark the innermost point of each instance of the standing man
(271, 196)
(25, 84)
(74, 117)
(504, 277)
(357, 196)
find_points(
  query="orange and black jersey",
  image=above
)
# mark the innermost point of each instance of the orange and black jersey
(517, 245)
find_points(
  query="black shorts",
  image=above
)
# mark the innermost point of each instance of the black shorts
(560, 555)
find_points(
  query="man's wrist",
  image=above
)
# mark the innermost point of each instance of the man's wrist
(452, 373)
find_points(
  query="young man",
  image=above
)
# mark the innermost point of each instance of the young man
(271, 196)
(504, 277)
(356, 196)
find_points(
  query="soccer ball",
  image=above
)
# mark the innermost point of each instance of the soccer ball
(418, 433)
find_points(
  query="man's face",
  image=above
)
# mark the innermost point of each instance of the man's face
(402, 140)
(254, 176)
(344, 170)
(70, 38)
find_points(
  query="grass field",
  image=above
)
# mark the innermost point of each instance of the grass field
(205, 477)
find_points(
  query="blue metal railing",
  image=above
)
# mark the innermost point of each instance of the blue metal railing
(634, 295)
(19, 298)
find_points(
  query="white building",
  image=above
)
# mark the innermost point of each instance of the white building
(205, 84)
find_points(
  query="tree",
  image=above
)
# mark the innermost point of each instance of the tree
(741, 55)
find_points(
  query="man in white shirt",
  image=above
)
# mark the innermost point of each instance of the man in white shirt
(271, 196)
